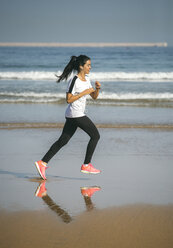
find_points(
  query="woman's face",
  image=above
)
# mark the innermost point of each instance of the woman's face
(87, 67)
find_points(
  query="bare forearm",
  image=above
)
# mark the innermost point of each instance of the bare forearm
(72, 98)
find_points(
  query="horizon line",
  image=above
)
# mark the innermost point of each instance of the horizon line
(83, 44)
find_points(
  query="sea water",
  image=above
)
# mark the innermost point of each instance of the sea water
(136, 84)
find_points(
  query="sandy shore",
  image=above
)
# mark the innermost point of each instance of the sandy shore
(130, 226)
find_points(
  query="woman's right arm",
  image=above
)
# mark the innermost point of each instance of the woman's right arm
(72, 98)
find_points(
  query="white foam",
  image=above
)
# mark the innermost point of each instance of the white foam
(30, 75)
(32, 94)
(135, 96)
(132, 76)
(103, 76)
(32, 97)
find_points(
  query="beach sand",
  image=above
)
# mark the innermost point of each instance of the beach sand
(133, 208)
(129, 226)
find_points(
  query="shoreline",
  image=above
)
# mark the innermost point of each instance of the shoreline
(80, 44)
(30, 125)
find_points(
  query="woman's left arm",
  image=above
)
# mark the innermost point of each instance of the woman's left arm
(95, 94)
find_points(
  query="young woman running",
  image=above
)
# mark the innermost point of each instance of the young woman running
(78, 89)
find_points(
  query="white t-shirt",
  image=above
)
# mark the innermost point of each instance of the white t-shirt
(76, 86)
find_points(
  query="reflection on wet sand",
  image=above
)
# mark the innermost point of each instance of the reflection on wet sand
(87, 192)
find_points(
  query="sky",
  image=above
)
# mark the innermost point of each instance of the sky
(86, 21)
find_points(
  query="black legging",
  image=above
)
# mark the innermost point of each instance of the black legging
(69, 129)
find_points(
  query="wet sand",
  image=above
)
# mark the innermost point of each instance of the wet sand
(129, 226)
(133, 208)
(115, 116)
(24, 125)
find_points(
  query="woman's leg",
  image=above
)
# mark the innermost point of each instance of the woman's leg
(68, 131)
(88, 126)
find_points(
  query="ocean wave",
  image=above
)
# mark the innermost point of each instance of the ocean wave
(135, 96)
(133, 76)
(103, 76)
(32, 94)
(30, 75)
(104, 97)
(31, 97)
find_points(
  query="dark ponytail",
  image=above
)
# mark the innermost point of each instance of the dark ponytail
(74, 64)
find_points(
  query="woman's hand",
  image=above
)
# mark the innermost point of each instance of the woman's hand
(95, 94)
(88, 91)
(97, 85)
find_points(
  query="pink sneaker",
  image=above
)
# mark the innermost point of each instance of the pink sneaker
(41, 167)
(89, 169)
(89, 191)
(41, 190)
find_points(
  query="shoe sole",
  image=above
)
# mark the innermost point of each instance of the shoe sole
(88, 172)
(92, 187)
(38, 169)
